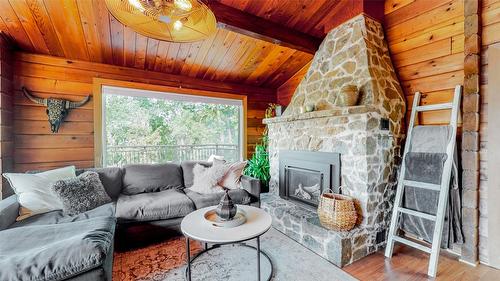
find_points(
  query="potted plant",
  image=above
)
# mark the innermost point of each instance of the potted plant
(258, 165)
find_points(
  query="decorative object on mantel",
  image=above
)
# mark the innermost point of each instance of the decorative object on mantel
(272, 110)
(337, 212)
(167, 20)
(309, 107)
(226, 209)
(57, 109)
(348, 96)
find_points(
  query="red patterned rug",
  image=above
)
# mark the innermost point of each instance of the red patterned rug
(154, 260)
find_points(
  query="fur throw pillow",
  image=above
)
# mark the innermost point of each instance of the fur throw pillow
(81, 194)
(206, 179)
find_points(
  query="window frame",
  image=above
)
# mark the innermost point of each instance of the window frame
(158, 90)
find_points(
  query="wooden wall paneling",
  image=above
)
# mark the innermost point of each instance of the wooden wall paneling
(188, 64)
(56, 77)
(85, 30)
(248, 24)
(129, 45)
(255, 59)
(180, 60)
(208, 56)
(141, 44)
(235, 52)
(287, 89)
(426, 41)
(13, 26)
(6, 111)
(151, 52)
(291, 66)
(42, 19)
(220, 57)
(117, 42)
(91, 31)
(68, 28)
(27, 21)
(273, 61)
(433, 34)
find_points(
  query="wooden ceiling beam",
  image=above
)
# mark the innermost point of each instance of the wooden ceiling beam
(238, 21)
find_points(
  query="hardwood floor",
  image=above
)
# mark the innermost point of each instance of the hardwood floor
(410, 264)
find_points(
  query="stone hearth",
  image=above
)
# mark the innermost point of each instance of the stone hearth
(354, 53)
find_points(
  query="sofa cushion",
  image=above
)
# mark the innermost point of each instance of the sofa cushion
(161, 205)
(111, 178)
(239, 196)
(187, 170)
(56, 217)
(151, 178)
(55, 252)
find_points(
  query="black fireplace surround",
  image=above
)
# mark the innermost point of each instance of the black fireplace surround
(304, 175)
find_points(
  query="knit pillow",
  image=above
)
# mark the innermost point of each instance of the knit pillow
(81, 193)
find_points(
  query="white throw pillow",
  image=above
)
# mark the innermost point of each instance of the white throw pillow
(215, 157)
(206, 179)
(34, 191)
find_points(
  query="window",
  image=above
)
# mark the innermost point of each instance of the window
(142, 126)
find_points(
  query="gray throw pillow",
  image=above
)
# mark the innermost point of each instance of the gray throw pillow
(81, 194)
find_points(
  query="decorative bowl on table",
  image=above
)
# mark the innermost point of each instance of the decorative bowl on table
(212, 217)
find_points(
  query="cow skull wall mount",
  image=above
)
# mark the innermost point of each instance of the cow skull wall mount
(57, 109)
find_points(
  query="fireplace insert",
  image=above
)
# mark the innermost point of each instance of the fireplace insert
(304, 175)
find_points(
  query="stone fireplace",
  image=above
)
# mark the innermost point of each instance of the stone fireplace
(366, 139)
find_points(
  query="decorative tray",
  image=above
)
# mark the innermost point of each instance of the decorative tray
(239, 219)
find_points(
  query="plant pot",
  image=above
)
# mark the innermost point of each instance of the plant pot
(348, 96)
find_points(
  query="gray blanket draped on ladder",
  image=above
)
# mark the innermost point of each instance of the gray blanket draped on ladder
(424, 163)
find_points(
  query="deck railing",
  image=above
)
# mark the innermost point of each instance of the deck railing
(152, 154)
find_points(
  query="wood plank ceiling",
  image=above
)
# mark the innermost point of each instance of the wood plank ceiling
(85, 30)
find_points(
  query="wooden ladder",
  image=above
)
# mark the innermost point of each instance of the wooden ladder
(442, 188)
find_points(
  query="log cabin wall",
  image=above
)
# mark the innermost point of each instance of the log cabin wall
(6, 138)
(37, 148)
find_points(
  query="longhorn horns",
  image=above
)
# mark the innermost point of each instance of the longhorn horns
(75, 104)
(69, 104)
(33, 98)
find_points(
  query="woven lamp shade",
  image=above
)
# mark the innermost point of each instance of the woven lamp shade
(165, 20)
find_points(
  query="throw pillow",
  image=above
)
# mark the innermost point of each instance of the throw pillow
(206, 179)
(34, 190)
(231, 179)
(82, 193)
(215, 157)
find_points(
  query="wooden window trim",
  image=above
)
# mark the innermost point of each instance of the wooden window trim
(98, 84)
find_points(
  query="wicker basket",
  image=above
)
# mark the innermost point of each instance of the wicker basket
(337, 212)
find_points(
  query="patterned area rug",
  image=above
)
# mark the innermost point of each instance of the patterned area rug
(153, 262)
(166, 261)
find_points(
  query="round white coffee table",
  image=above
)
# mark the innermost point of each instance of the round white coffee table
(194, 226)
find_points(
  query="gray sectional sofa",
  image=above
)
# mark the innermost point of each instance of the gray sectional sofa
(54, 246)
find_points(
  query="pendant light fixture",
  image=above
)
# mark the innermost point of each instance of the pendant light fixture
(167, 20)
